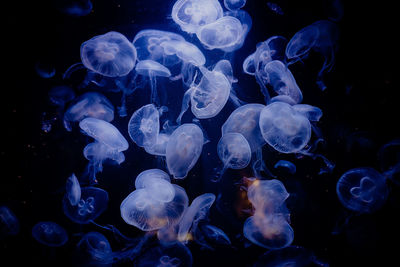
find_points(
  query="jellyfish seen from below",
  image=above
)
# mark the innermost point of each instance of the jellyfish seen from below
(73, 190)
(191, 14)
(166, 256)
(234, 4)
(9, 223)
(92, 204)
(50, 234)
(90, 104)
(110, 54)
(362, 189)
(184, 149)
(75, 8)
(322, 37)
(93, 250)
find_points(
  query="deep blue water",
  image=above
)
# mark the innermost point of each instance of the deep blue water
(360, 107)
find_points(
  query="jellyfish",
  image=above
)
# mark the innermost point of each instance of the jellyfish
(268, 196)
(93, 250)
(158, 183)
(289, 166)
(110, 55)
(166, 256)
(184, 149)
(362, 189)
(61, 95)
(389, 159)
(73, 190)
(274, 7)
(321, 36)
(45, 70)
(234, 4)
(144, 126)
(92, 204)
(191, 14)
(76, 8)
(206, 233)
(159, 148)
(9, 224)
(90, 104)
(197, 211)
(50, 234)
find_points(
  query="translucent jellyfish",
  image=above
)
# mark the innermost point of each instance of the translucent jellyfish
(9, 224)
(76, 8)
(207, 234)
(110, 54)
(283, 128)
(166, 256)
(50, 234)
(234, 4)
(159, 148)
(92, 204)
(91, 104)
(142, 209)
(312, 113)
(45, 70)
(289, 166)
(61, 95)
(158, 183)
(73, 190)
(148, 46)
(93, 250)
(268, 196)
(274, 7)
(389, 159)
(362, 189)
(144, 126)
(281, 79)
(244, 120)
(184, 149)
(191, 14)
(197, 211)
(322, 37)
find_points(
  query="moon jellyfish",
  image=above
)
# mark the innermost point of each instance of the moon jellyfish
(144, 126)
(9, 224)
(50, 234)
(92, 204)
(191, 14)
(110, 54)
(184, 149)
(91, 104)
(290, 167)
(362, 189)
(75, 7)
(196, 212)
(283, 128)
(158, 182)
(73, 190)
(234, 4)
(321, 36)
(93, 250)
(166, 256)
(60, 95)
(143, 209)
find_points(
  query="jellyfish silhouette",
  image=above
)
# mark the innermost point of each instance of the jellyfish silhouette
(45, 70)
(76, 8)
(61, 95)
(50, 234)
(93, 250)
(166, 256)
(9, 223)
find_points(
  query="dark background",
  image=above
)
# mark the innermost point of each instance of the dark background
(360, 114)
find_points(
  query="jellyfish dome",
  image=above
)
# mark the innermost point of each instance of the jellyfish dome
(144, 126)
(93, 250)
(148, 67)
(9, 223)
(362, 189)
(268, 195)
(186, 51)
(234, 4)
(110, 54)
(97, 152)
(283, 128)
(244, 120)
(50, 234)
(158, 183)
(92, 204)
(184, 149)
(166, 256)
(191, 14)
(234, 150)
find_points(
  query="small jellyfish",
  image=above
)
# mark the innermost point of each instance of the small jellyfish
(73, 190)
(207, 233)
(274, 7)
(284, 129)
(93, 250)
(158, 183)
(76, 8)
(166, 256)
(234, 4)
(92, 204)
(110, 54)
(9, 224)
(50, 234)
(289, 166)
(362, 189)
(45, 70)
(184, 149)
(90, 104)
(389, 159)
(61, 95)
(144, 126)
(191, 14)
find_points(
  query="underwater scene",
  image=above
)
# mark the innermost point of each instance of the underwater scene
(178, 133)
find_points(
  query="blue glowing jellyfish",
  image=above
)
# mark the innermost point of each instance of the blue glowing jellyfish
(91, 104)
(389, 159)
(184, 149)
(76, 8)
(289, 166)
(93, 250)
(191, 14)
(208, 235)
(45, 70)
(362, 189)
(9, 224)
(158, 183)
(50, 234)
(159, 148)
(92, 204)
(234, 4)
(144, 126)
(110, 54)
(61, 95)
(73, 190)
(166, 256)
(274, 7)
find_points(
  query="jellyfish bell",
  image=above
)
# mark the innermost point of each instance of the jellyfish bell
(92, 204)
(9, 223)
(268, 195)
(93, 249)
(166, 256)
(50, 234)
(289, 256)
(184, 149)
(61, 95)
(184, 50)
(234, 4)
(150, 67)
(73, 190)
(110, 54)
(144, 126)
(362, 189)
(234, 150)
(158, 183)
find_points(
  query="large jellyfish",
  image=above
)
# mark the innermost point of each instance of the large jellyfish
(110, 54)
(166, 256)
(93, 250)
(9, 224)
(50, 234)
(322, 37)
(90, 104)
(191, 14)
(362, 189)
(73, 190)
(92, 204)
(184, 149)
